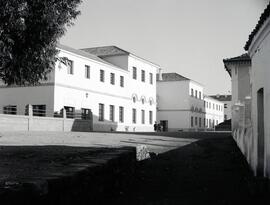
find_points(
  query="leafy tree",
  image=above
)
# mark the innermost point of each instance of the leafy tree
(29, 31)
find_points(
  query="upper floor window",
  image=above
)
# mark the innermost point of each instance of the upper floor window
(134, 73)
(196, 93)
(225, 105)
(70, 69)
(143, 75)
(151, 78)
(112, 78)
(143, 100)
(101, 76)
(200, 95)
(192, 92)
(87, 71)
(122, 81)
(134, 99)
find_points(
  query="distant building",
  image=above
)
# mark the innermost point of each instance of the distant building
(181, 104)
(251, 97)
(227, 100)
(117, 87)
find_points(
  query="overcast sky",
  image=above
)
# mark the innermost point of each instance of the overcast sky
(190, 37)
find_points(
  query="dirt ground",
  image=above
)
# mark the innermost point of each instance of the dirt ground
(209, 171)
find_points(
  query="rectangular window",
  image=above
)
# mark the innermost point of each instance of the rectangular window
(209, 105)
(150, 117)
(39, 110)
(134, 116)
(200, 95)
(191, 121)
(101, 112)
(196, 93)
(143, 76)
(213, 106)
(196, 121)
(143, 117)
(206, 104)
(86, 114)
(87, 71)
(121, 114)
(122, 81)
(10, 109)
(204, 122)
(70, 111)
(216, 107)
(216, 122)
(134, 73)
(70, 69)
(112, 78)
(151, 78)
(200, 122)
(225, 105)
(192, 92)
(112, 113)
(101, 76)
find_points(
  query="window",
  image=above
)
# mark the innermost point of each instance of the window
(196, 121)
(143, 101)
(213, 106)
(192, 92)
(121, 114)
(134, 73)
(10, 109)
(191, 121)
(216, 107)
(200, 95)
(209, 105)
(86, 114)
(206, 120)
(134, 115)
(196, 93)
(70, 69)
(225, 105)
(112, 78)
(151, 102)
(112, 113)
(122, 81)
(203, 122)
(70, 111)
(87, 71)
(39, 110)
(143, 117)
(151, 78)
(209, 122)
(150, 117)
(134, 99)
(101, 76)
(216, 122)
(101, 112)
(206, 104)
(200, 122)
(143, 75)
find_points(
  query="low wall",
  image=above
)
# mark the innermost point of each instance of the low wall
(31, 123)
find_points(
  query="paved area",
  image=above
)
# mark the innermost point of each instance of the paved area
(155, 142)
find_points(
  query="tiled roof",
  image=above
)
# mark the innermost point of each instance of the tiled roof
(242, 58)
(83, 53)
(172, 77)
(106, 51)
(222, 97)
(264, 16)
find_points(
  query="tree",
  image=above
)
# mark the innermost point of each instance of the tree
(29, 31)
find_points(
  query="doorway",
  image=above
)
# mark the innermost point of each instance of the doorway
(164, 124)
(260, 127)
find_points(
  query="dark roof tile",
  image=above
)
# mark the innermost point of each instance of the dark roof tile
(172, 77)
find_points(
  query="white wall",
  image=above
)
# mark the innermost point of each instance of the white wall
(215, 113)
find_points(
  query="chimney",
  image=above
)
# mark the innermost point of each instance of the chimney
(160, 74)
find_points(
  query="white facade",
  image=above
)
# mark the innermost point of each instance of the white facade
(181, 104)
(103, 89)
(214, 112)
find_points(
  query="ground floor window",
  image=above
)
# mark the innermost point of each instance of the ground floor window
(86, 113)
(10, 109)
(112, 113)
(101, 112)
(134, 115)
(121, 114)
(70, 111)
(143, 117)
(196, 121)
(150, 117)
(191, 121)
(200, 122)
(39, 110)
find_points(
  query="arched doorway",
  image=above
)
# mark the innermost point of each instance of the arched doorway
(260, 127)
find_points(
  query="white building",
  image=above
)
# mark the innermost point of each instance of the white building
(119, 90)
(181, 104)
(227, 100)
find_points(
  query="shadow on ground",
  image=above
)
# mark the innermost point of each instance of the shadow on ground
(209, 171)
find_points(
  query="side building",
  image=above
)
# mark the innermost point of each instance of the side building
(227, 100)
(181, 104)
(83, 83)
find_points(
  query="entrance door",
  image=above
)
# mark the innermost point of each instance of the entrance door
(164, 124)
(260, 127)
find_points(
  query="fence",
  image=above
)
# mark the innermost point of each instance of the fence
(35, 119)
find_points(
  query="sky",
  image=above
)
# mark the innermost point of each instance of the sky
(189, 37)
